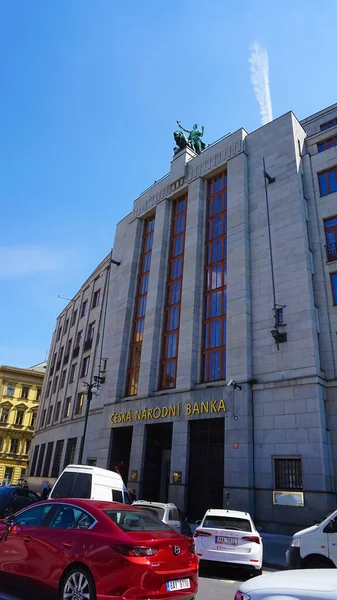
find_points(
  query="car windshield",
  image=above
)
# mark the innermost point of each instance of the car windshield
(233, 523)
(135, 520)
(157, 511)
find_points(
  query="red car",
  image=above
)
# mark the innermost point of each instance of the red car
(88, 550)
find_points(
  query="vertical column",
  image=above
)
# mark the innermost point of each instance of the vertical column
(155, 301)
(191, 302)
(137, 456)
(179, 462)
(239, 468)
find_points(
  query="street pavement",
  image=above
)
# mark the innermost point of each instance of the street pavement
(215, 583)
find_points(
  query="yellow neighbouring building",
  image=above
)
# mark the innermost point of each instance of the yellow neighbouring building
(20, 392)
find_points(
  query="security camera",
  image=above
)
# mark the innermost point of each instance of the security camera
(231, 383)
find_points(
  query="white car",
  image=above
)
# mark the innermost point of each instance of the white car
(309, 584)
(229, 536)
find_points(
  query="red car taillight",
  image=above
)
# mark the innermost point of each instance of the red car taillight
(191, 548)
(240, 596)
(251, 538)
(201, 534)
(135, 551)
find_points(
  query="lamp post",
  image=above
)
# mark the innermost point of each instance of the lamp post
(90, 390)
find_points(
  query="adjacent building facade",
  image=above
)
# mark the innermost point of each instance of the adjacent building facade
(20, 394)
(220, 333)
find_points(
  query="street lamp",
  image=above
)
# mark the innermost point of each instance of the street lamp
(90, 390)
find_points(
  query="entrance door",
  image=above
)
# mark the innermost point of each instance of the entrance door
(206, 466)
(156, 471)
(165, 475)
(121, 438)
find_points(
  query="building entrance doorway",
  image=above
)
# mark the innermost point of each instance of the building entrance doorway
(157, 463)
(206, 466)
(120, 449)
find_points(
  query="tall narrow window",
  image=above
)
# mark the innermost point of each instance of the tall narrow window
(140, 308)
(215, 296)
(330, 226)
(169, 354)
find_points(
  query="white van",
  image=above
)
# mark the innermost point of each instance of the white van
(315, 547)
(81, 481)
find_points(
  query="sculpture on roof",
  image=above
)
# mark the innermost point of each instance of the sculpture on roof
(194, 140)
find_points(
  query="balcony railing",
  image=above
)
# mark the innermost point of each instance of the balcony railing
(66, 359)
(76, 351)
(87, 345)
(331, 252)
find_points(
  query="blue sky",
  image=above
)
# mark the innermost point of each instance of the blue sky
(91, 91)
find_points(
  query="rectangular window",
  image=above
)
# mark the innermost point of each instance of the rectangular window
(34, 461)
(91, 331)
(74, 318)
(67, 405)
(79, 338)
(25, 392)
(56, 380)
(27, 446)
(140, 304)
(79, 404)
(328, 181)
(69, 346)
(215, 282)
(66, 325)
(95, 298)
(57, 458)
(63, 379)
(49, 415)
(59, 333)
(69, 458)
(334, 287)
(38, 394)
(84, 308)
(4, 415)
(326, 144)
(169, 352)
(10, 390)
(328, 124)
(40, 461)
(48, 388)
(33, 419)
(8, 475)
(47, 462)
(288, 473)
(19, 417)
(14, 446)
(72, 372)
(57, 411)
(43, 417)
(330, 226)
(85, 366)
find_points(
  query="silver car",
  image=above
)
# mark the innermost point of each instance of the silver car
(168, 513)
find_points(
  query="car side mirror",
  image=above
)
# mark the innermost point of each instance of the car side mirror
(198, 522)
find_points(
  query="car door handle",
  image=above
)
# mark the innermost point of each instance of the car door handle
(68, 544)
(27, 538)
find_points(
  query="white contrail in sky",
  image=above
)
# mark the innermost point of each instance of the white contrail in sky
(259, 74)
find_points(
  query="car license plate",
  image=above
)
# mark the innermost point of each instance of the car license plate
(178, 584)
(219, 539)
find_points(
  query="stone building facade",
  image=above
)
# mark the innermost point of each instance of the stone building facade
(228, 273)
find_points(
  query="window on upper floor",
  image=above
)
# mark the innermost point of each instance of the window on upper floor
(57, 411)
(48, 388)
(66, 325)
(25, 392)
(43, 418)
(328, 124)
(49, 415)
(78, 338)
(63, 379)
(330, 227)
(58, 335)
(38, 394)
(4, 415)
(27, 446)
(84, 308)
(14, 446)
(67, 406)
(328, 181)
(69, 346)
(95, 298)
(334, 287)
(326, 144)
(56, 380)
(10, 390)
(19, 417)
(79, 404)
(85, 366)
(72, 372)
(73, 318)
(33, 419)
(91, 330)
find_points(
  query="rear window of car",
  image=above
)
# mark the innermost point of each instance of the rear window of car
(73, 485)
(154, 510)
(235, 524)
(135, 520)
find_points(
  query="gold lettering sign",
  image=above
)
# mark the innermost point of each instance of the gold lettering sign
(163, 412)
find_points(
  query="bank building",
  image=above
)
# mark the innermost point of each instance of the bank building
(210, 331)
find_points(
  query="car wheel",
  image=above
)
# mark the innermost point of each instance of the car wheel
(318, 562)
(78, 584)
